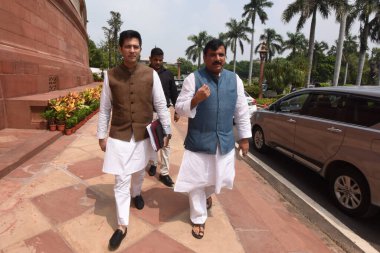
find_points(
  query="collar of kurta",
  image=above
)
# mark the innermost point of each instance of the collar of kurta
(129, 70)
(213, 76)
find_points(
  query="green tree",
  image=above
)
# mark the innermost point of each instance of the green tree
(194, 52)
(307, 9)
(251, 10)
(368, 14)
(108, 44)
(237, 33)
(186, 66)
(95, 55)
(375, 63)
(319, 55)
(281, 73)
(350, 49)
(103, 48)
(273, 42)
(324, 69)
(296, 42)
(112, 37)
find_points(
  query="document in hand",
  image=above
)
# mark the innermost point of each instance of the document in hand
(156, 134)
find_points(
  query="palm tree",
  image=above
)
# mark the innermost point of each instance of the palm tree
(350, 46)
(342, 11)
(307, 9)
(194, 52)
(236, 33)
(273, 41)
(297, 42)
(253, 8)
(368, 13)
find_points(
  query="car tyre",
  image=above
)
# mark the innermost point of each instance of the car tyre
(259, 139)
(350, 192)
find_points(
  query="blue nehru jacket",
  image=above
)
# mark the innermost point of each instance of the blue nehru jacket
(212, 123)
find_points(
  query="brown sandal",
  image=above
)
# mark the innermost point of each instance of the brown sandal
(209, 202)
(198, 230)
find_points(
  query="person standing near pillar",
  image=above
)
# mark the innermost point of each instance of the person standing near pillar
(167, 80)
(211, 98)
(130, 91)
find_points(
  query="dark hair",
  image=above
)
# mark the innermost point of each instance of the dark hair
(213, 44)
(156, 51)
(129, 34)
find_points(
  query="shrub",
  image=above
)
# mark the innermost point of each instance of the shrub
(49, 115)
(61, 117)
(252, 90)
(71, 122)
(97, 77)
(265, 101)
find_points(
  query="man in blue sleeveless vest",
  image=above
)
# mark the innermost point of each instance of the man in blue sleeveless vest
(130, 91)
(211, 98)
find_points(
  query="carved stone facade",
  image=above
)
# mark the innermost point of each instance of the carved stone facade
(43, 48)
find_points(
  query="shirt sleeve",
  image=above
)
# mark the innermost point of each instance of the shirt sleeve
(159, 103)
(105, 109)
(241, 115)
(173, 90)
(183, 104)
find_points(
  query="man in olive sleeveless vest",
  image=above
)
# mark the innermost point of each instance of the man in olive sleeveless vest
(211, 98)
(130, 92)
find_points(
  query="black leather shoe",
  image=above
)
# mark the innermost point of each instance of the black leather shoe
(116, 239)
(152, 170)
(139, 202)
(166, 180)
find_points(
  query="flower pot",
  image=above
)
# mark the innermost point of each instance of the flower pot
(68, 131)
(61, 128)
(52, 127)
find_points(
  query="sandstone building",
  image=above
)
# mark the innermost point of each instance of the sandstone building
(43, 48)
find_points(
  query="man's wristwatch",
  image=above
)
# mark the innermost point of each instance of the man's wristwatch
(168, 135)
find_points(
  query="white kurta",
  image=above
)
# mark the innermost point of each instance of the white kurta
(123, 157)
(201, 170)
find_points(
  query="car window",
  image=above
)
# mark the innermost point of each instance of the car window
(326, 106)
(293, 104)
(364, 111)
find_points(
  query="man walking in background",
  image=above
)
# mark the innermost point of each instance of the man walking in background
(167, 80)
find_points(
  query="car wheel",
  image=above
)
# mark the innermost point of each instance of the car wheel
(350, 192)
(259, 139)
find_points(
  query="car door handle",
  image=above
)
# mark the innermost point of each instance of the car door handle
(291, 121)
(335, 130)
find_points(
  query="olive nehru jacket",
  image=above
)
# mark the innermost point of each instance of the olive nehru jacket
(132, 105)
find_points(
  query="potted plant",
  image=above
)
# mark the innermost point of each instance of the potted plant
(50, 115)
(61, 116)
(69, 124)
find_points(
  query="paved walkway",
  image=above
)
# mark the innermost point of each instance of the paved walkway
(60, 201)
